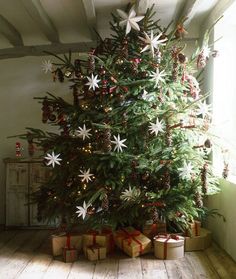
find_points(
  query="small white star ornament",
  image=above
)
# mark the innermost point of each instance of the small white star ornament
(186, 171)
(157, 76)
(147, 96)
(86, 176)
(152, 42)
(129, 19)
(203, 109)
(53, 159)
(93, 82)
(84, 132)
(130, 194)
(47, 66)
(118, 143)
(82, 210)
(157, 127)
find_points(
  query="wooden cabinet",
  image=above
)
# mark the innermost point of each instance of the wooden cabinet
(22, 178)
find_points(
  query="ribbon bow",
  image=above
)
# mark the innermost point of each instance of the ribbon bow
(94, 234)
(168, 237)
(129, 236)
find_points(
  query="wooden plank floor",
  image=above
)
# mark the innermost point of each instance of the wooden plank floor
(25, 254)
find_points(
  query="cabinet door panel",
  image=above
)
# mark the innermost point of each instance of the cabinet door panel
(17, 209)
(17, 174)
(38, 175)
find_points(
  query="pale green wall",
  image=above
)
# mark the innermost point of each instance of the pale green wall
(20, 80)
(223, 232)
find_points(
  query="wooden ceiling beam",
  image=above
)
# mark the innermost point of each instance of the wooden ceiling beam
(142, 6)
(10, 32)
(188, 11)
(90, 13)
(38, 14)
(39, 50)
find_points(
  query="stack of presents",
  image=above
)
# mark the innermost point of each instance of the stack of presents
(96, 245)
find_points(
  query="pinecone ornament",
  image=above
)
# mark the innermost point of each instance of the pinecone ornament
(60, 74)
(106, 141)
(91, 61)
(167, 180)
(198, 199)
(105, 203)
(155, 215)
(204, 178)
(225, 172)
(175, 71)
(124, 49)
(201, 60)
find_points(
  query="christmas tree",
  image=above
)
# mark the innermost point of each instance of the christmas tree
(134, 143)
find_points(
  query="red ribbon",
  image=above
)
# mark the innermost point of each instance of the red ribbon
(68, 239)
(196, 228)
(95, 247)
(109, 233)
(129, 236)
(94, 234)
(168, 237)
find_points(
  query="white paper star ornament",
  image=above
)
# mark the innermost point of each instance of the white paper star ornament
(47, 66)
(157, 127)
(130, 194)
(84, 132)
(82, 210)
(86, 176)
(118, 143)
(129, 19)
(53, 159)
(152, 42)
(93, 82)
(157, 76)
(186, 171)
(203, 109)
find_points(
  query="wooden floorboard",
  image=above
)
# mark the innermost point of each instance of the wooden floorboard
(27, 255)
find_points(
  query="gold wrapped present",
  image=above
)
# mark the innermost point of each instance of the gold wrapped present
(70, 255)
(151, 230)
(95, 252)
(132, 242)
(194, 229)
(93, 238)
(200, 242)
(59, 242)
(169, 246)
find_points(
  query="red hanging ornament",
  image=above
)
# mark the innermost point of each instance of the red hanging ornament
(18, 149)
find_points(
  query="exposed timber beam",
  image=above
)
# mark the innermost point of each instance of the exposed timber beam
(142, 6)
(10, 32)
(188, 12)
(40, 49)
(90, 13)
(38, 14)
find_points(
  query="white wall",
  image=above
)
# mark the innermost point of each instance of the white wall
(20, 80)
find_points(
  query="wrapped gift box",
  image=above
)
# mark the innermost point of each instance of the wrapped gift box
(200, 242)
(93, 238)
(194, 229)
(110, 244)
(95, 252)
(168, 246)
(70, 255)
(132, 242)
(59, 242)
(151, 230)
